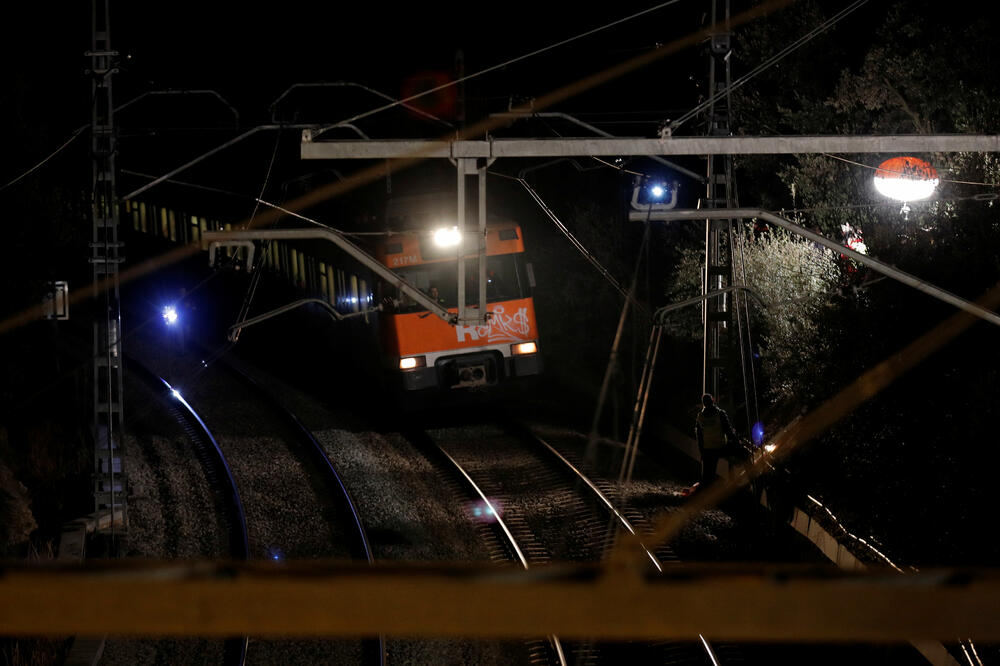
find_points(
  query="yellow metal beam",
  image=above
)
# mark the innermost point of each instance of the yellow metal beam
(785, 603)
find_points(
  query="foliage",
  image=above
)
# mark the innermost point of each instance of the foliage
(798, 283)
(16, 520)
(911, 68)
(918, 70)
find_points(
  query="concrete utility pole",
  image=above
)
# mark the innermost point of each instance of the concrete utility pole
(105, 255)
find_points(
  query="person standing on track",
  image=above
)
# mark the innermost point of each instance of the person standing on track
(715, 433)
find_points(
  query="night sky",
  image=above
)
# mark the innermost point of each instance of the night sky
(250, 55)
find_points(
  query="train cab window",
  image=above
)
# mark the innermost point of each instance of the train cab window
(503, 280)
(504, 275)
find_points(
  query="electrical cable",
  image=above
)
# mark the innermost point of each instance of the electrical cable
(619, 168)
(207, 188)
(255, 279)
(874, 168)
(749, 329)
(51, 155)
(767, 64)
(612, 367)
(984, 198)
(493, 68)
(79, 130)
(594, 261)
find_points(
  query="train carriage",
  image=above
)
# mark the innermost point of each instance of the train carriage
(423, 352)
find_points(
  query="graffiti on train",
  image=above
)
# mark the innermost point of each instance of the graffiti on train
(502, 327)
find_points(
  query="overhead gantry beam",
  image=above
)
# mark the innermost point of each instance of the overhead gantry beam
(619, 147)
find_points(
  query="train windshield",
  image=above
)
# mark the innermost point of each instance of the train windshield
(506, 280)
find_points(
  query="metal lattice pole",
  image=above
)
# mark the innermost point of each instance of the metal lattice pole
(105, 254)
(717, 313)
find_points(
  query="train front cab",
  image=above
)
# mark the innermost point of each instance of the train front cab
(424, 352)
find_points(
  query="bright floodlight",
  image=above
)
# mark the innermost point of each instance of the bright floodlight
(906, 179)
(446, 237)
(170, 315)
(657, 191)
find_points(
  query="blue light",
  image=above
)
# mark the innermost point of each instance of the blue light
(170, 315)
(657, 191)
(484, 511)
(757, 433)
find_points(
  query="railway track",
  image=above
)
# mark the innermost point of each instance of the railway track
(543, 508)
(606, 494)
(163, 462)
(398, 497)
(296, 505)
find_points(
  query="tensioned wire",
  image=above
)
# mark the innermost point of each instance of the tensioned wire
(507, 63)
(407, 99)
(767, 64)
(255, 280)
(875, 168)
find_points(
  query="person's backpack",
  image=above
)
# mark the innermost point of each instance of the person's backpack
(713, 432)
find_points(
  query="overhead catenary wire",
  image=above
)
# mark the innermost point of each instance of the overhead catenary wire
(875, 168)
(767, 64)
(985, 197)
(501, 65)
(591, 449)
(594, 261)
(55, 152)
(749, 341)
(80, 130)
(255, 279)
(743, 315)
(327, 191)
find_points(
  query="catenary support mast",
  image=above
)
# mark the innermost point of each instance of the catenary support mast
(105, 255)
(717, 312)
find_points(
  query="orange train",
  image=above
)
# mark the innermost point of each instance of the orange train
(423, 352)
(418, 350)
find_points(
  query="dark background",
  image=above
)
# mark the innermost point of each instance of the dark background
(929, 432)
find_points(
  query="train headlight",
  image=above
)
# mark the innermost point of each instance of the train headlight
(170, 315)
(522, 348)
(446, 237)
(412, 362)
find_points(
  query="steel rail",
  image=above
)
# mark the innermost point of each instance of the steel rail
(425, 441)
(219, 471)
(615, 513)
(314, 450)
(511, 541)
